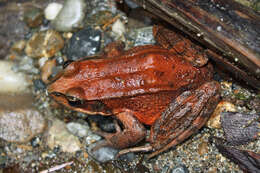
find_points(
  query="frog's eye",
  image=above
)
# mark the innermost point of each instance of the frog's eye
(66, 63)
(57, 94)
(74, 101)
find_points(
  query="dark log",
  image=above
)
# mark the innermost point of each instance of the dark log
(223, 26)
(248, 161)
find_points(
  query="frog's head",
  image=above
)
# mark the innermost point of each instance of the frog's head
(66, 89)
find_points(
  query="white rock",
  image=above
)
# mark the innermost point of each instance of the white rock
(70, 16)
(118, 28)
(52, 10)
(10, 81)
(58, 135)
(42, 61)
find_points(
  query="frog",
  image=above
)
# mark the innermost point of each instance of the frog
(168, 87)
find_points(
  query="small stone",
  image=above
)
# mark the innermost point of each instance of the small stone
(70, 16)
(18, 46)
(26, 65)
(33, 17)
(58, 135)
(44, 44)
(35, 142)
(142, 36)
(10, 81)
(214, 120)
(84, 43)
(180, 169)
(103, 154)
(203, 148)
(131, 4)
(52, 10)
(78, 129)
(3, 161)
(47, 70)
(39, 85)
(118, 28)
(19, 122)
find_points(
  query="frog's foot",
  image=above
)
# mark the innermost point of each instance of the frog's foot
(176, 43)
(132, 133)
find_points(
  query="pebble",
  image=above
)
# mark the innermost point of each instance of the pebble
(33, 17)
(47, 70)
(10, 81)
(18, 46)
(142, 36)
(84, 43)
(26, 65)
(203, 148)
(223, 106)
(70, 16)
(39, 85)
(44, 44)
(103, 154)
(78, 129)
(19, 121)
(58, 135)
(180, 169)
(35, 142)
(118, 28)
(52, 10)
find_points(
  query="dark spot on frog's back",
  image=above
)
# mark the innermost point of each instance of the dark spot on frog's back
(159, 73)
(171, 84)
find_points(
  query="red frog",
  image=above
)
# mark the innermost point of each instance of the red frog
(168, 87)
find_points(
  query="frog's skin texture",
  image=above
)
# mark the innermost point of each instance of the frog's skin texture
(143, 85)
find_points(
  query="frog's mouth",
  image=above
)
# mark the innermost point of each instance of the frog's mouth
(91, 107)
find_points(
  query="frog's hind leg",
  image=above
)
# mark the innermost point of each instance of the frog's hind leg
(132, 133)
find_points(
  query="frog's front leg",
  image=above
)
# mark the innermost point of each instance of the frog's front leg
(132, 133)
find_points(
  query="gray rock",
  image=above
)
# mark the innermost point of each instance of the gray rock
(180, 169)
(103, 154)
(70, 16)
(84, 43)
(19, 123)
(78, 129)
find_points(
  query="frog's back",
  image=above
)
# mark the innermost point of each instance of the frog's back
(139, 71)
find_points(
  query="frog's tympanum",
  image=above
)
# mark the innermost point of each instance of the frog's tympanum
(168, 87)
